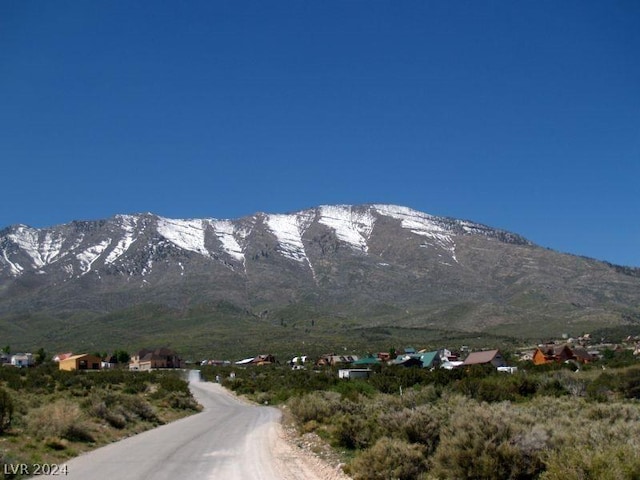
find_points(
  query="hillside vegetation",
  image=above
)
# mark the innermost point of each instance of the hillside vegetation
(48, 416)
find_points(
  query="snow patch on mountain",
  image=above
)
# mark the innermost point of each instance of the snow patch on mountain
(226, 232)
(352, 226)
(27, 240)
(186, 234)
(51, 247)
(128, 224)
(288, 230)
(91, 254)
(421, 224)
(14, 267)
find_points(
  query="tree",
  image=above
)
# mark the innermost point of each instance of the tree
(41, 356)
(122, 356)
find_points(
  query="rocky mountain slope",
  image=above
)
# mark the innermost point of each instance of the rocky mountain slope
(374, 264)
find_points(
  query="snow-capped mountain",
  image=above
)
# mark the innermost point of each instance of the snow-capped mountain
(107, 246)
(362, 260)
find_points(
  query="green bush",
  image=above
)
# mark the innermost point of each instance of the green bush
(630, 383)
(603, 387)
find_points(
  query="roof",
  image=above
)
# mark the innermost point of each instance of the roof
(62, 356)
(428, 358)
(245, 361)
(162, 351)
(367, 361)
(478, 358)
(79, 356)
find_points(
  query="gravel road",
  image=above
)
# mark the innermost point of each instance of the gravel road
(229, 439)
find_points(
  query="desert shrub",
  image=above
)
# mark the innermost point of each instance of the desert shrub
(78, 432)
(356, 431)
(136, 382)
(481, 442)
(181, 401)
(607, 462)
(116, 419)
(170, 382)
(111, 413)
(140, 408)
(6, 410)
(56, 443)
(496, 386)
(389, 458)
(317, 406)
(120, 409)
(61, 419)
(427, 394)
(39, 380)
(420, 425)
(611, 413)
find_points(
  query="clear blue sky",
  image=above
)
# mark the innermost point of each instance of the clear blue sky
(524, 115)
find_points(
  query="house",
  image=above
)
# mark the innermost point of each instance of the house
(110, 361)
(583, 356)
(22, 360)
(298, 362)
(151, 359)
(487, 357)
(447, 355)
(421, 359)
(264, 359)
(552, 353)
(80, 362)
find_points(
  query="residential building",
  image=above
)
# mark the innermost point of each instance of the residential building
(22, 360)
(147, 359)
(487, 357)
(80, 362)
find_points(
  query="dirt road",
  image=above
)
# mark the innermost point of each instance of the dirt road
(229, 439)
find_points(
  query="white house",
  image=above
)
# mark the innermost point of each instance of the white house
(22, 360)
